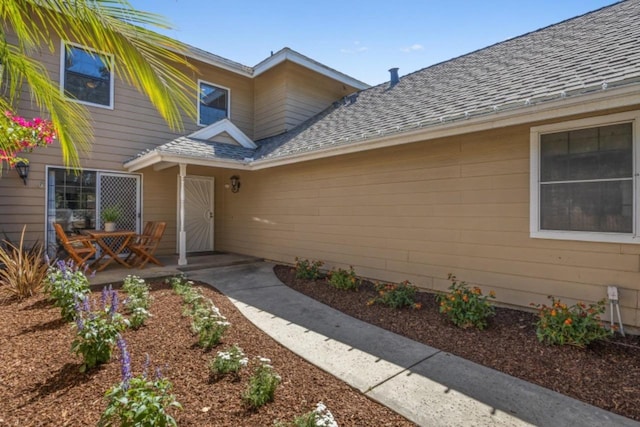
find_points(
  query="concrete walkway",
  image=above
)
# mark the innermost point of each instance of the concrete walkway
(426, 385)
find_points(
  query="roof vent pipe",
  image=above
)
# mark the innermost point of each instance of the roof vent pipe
(394, 77)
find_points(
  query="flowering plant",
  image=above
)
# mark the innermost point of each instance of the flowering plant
(138, 401)
(209, 325)
(576, 325)
(262, 385)
(97, 331)
(344, 279)
(466, 307)
(66, 284)
(321, 416)
(137, 301)
(230, 361)
(17, 135)
(396, 296)
(308, 270)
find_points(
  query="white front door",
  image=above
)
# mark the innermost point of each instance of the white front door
(198, 217)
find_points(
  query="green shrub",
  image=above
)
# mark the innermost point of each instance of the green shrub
(138, 401)
(396, 296)
(466, 307)
(23, 271)
(209, 325)
(262, 385)
(227, 362)
(66, 284)
(344, 279)
(576, 325)
(308, 270)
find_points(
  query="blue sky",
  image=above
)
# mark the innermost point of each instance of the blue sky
(360, 38)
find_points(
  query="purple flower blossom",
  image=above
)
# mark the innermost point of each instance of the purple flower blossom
(78, 310)
(104, 297)
(85, 304)
(113, 308)
(125, 363)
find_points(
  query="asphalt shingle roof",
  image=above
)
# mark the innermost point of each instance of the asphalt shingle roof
(193, 147)
(589, 53)
(580, 55)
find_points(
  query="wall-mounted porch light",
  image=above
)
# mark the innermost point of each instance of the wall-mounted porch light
(235, 183)
(23, 171)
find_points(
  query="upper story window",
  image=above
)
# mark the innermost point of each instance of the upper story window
(582, 180)
(213, 105)
(87, 76)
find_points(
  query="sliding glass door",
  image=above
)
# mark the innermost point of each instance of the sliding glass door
(75, 200)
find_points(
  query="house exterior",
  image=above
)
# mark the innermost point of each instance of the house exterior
(514, 167)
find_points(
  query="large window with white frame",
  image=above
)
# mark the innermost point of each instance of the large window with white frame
(213, 103)
(583, 179)
(87, 75)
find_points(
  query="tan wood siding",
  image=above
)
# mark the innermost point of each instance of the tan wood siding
(289, 94)
(420, 211)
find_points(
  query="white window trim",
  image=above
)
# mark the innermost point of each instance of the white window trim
(63, 52)
(534, 216)
(198, 100)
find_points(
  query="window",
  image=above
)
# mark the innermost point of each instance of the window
(87, 76)
(214, 103)
(582, 180)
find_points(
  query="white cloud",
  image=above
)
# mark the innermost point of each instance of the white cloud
(413, 48)
(356, 48)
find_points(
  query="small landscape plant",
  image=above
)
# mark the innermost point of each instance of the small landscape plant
(466, 307)
(23, 271)
(137, 302)
(396, 296)
(209, 325)
(345, 280)
(97, 331)
(228, 362)
(66, 284)
(138, 401)
(319, 417)
(577, 325)
(262, 385)
(308, 270)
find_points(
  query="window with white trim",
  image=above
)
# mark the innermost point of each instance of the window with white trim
(87, 76)
(582, 179)
(213, 103)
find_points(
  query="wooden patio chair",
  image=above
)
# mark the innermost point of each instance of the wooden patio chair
(144, 247)
(140, 239)
(78, 248)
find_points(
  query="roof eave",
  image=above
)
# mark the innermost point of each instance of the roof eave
(155, 158)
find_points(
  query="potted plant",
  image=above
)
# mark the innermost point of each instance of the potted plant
(109, 217)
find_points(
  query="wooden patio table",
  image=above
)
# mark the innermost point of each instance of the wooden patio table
(112, 243)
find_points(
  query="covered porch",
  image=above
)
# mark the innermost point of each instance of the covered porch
(117, 273)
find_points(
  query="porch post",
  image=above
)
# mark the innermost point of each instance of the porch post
(182, 260)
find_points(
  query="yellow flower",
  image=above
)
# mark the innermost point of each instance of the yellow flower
(553, 313)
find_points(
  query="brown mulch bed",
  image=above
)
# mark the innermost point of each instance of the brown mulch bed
(605, 374)
(40, 382)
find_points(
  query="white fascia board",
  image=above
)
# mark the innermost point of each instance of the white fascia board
(602, 100)
(221, 126)
(289, 55)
